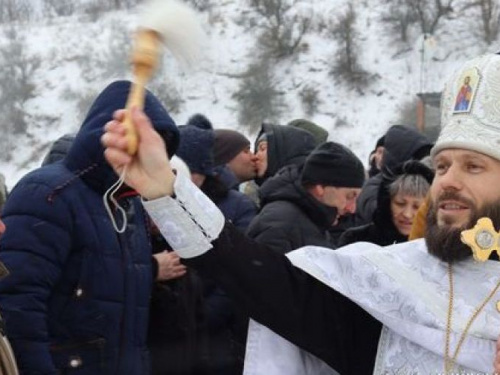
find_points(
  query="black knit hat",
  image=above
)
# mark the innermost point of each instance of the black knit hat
(228, 144)
(332, 164)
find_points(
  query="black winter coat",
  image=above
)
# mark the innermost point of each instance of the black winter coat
(77, 297)
(290, 217)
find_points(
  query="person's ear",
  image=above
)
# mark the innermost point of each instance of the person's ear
(318, 191)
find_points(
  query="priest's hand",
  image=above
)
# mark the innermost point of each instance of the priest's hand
(148, 171)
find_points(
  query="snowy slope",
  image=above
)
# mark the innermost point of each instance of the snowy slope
(74, 51)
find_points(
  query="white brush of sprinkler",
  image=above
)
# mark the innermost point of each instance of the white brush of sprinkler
(168, 23)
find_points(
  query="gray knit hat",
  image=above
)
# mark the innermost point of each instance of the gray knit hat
(470, 108)
(320, 134)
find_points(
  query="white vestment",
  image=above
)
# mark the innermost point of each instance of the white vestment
(407, 290)
(402, 286)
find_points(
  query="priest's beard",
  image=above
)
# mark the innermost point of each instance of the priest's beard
(444, 241)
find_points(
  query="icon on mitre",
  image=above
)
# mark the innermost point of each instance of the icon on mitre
(467, 91)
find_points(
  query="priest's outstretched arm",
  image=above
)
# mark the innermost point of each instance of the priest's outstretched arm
(263, 282)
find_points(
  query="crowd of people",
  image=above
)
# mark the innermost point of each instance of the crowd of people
(203, 254)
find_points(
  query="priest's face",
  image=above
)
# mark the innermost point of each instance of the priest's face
(466, 188)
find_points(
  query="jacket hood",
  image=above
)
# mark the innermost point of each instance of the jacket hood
(285, 186)
(285, 145)
(86, 155)
(403, 143)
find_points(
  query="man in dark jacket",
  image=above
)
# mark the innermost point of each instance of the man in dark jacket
(77, 297)
(300, 204)
(234, 161)
(401, 143)
(196, 149)
(173, 328)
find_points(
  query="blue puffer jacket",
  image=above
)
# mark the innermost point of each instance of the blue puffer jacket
(77, 297)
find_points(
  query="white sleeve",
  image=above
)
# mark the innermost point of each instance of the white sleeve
(189, 221)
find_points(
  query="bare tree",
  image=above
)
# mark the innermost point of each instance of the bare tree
(16, 88)
(82, 98)
(400, 16)
(119, 4)
(58, 8)
(346, 66)
(95, 8)
(127, 4)
(310, 100)
(15, 10)
(282, 32)
(168, 95)
(258, 98)
(117, 57)
(430, 12)
(490, 18)
(201, 5)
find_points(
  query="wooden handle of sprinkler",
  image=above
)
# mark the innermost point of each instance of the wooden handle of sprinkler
(135, 99)
(144, 61)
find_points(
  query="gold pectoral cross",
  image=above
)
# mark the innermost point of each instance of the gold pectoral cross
(483, 239)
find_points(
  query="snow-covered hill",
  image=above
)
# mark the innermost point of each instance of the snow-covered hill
(79, 56)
